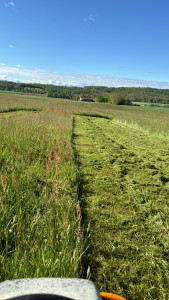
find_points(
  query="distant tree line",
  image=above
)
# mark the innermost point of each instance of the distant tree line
(122, 95)
(77, 92)
(150, 95)
(22, 87)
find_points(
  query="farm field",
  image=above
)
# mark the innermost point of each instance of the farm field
(84, 196)
(125, 192)
(146, 106)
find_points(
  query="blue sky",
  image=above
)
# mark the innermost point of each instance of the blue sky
(85, 42)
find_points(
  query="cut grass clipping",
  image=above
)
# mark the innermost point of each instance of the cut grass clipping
(124, 195)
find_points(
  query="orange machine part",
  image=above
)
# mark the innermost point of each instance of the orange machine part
(109, 296)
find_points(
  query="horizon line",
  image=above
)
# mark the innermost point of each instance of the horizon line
(19, 74)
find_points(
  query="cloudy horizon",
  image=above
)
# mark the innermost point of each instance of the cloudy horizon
(18, 73)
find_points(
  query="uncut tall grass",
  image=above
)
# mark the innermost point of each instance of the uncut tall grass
(40, 218)
(149, 121)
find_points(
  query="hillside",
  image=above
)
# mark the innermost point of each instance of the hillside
(150, 95)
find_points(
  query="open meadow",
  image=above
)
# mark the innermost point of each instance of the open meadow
(84, 193)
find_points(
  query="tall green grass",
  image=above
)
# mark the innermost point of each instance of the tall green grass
(153, 122)
(40, 217)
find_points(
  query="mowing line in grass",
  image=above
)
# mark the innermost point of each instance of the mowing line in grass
(124, 192)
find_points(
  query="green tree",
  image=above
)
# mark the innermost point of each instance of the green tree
(102, 99)
(117, 99)
(76, 97)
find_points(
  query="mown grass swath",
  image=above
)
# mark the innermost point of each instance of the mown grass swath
(124, 192)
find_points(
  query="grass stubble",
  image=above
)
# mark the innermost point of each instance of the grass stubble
(121, 181)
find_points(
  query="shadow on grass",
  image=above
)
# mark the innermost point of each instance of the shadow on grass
(94, 115)
(85, 223)
(13, 109)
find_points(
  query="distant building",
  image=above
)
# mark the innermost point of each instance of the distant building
(86, 99)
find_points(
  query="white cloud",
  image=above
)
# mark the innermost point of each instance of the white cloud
(18, 66)
(3, 77)
(16, 73)
(11, 46)
(11, 3)
(89, 18)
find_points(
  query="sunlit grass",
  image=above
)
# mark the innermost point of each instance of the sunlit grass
(151, 121)
(40, 228)
(124, 193)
